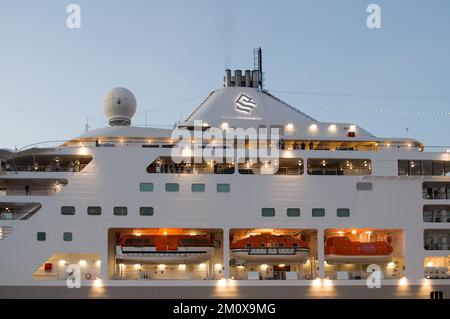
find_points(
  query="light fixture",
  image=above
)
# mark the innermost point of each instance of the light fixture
(137, 266)
(165, 233)
(290, 126)
(205, 124)
(332, 128)
(181, 266)
(161, 266)
(352, 128)
(340, 233)
(62, 262)
(430, 264)
(353, 232)
(218, 267)
(264, 267)
(391, 264)
(98, 263)
(202, 266)
(388, 145)
(403, 281)
(82, 262)
(121, 140)
(138, 234)
(313, 127)
(409, 145)
(224, 125)
(448, 150)
(281, 265)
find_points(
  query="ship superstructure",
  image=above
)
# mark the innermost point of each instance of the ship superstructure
(115, 202)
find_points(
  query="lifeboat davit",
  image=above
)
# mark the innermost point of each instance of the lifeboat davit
(166, 249)
(269, 249)
(341, 250)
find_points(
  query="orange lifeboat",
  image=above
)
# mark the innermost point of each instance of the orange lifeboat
(166, 249)
(269, 249)
(341, 250)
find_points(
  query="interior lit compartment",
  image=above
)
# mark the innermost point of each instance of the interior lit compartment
(437, 267)
(273, 254)
(61, 266)
(353, 254)
(165, 254)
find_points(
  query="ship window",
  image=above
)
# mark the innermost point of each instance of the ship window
(268, 212)
(293, 212)
(120, 211)
(146, 187)
(67, 210)
(318, 212)
(146, 211)
(223, 188)
(198, 188)
(337, 166)
(423, 167)
(94, 210)
(172, 187)
(41, 236)
(343, 212)
(67, 236)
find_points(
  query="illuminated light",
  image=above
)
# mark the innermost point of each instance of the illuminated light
(409, 145)
(264, 267)
(388, 145)
(368, 232)
(121, 140)
(181, 266)
(391, 264)
(98, 263)
(316, 282)
(307, 262)
(332, 128)
(224, 125)
(403, 281)
(327, 282)
(253, 234)
(281, 265)
(138, 234)
(277, 234)
(149, 141)
(313, 127)
(82, 262)
(290, 126)
(137, 266)
(352, 128)
(222, 282)
(62, 262)
(99, 141)
(192, 234)
(376, 144)
(202, 266)
(165, 233)
(98, 283)
(340, 233)
(218, 267)
(448, 150)
(430, 264)
(161, 266)
(240, 267)
(205, 124)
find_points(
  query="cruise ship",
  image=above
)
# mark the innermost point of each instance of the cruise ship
(329, 209)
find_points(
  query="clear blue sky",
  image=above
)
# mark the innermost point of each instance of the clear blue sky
(170, 54)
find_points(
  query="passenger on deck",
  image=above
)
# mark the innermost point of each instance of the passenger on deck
(27, 190)
(303, 146)
(311, 145)
(295, 145)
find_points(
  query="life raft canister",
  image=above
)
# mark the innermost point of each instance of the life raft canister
(88, 276)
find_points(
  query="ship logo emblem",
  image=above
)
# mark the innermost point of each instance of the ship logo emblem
(244, 104)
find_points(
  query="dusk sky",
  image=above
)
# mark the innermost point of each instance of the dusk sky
(319, 56)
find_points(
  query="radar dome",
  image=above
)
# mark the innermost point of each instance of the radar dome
(119, 105)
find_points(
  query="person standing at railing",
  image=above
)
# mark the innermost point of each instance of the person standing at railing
(27, 190)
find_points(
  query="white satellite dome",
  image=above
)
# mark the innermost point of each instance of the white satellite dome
(119, 105)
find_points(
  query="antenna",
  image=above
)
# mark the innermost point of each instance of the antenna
(257, 64)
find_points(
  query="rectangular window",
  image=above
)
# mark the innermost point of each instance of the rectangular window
(268, 212)
(318, 212)
(293, 212)
(146, 187)
(67, 210)
(198, 188)
(120, 211)
(223, 188)
(67, 236)
(337, 166)
(94, 210)
(146, 211)
(343, 212)
(41, 236)
(1, 233)
(172, 187)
